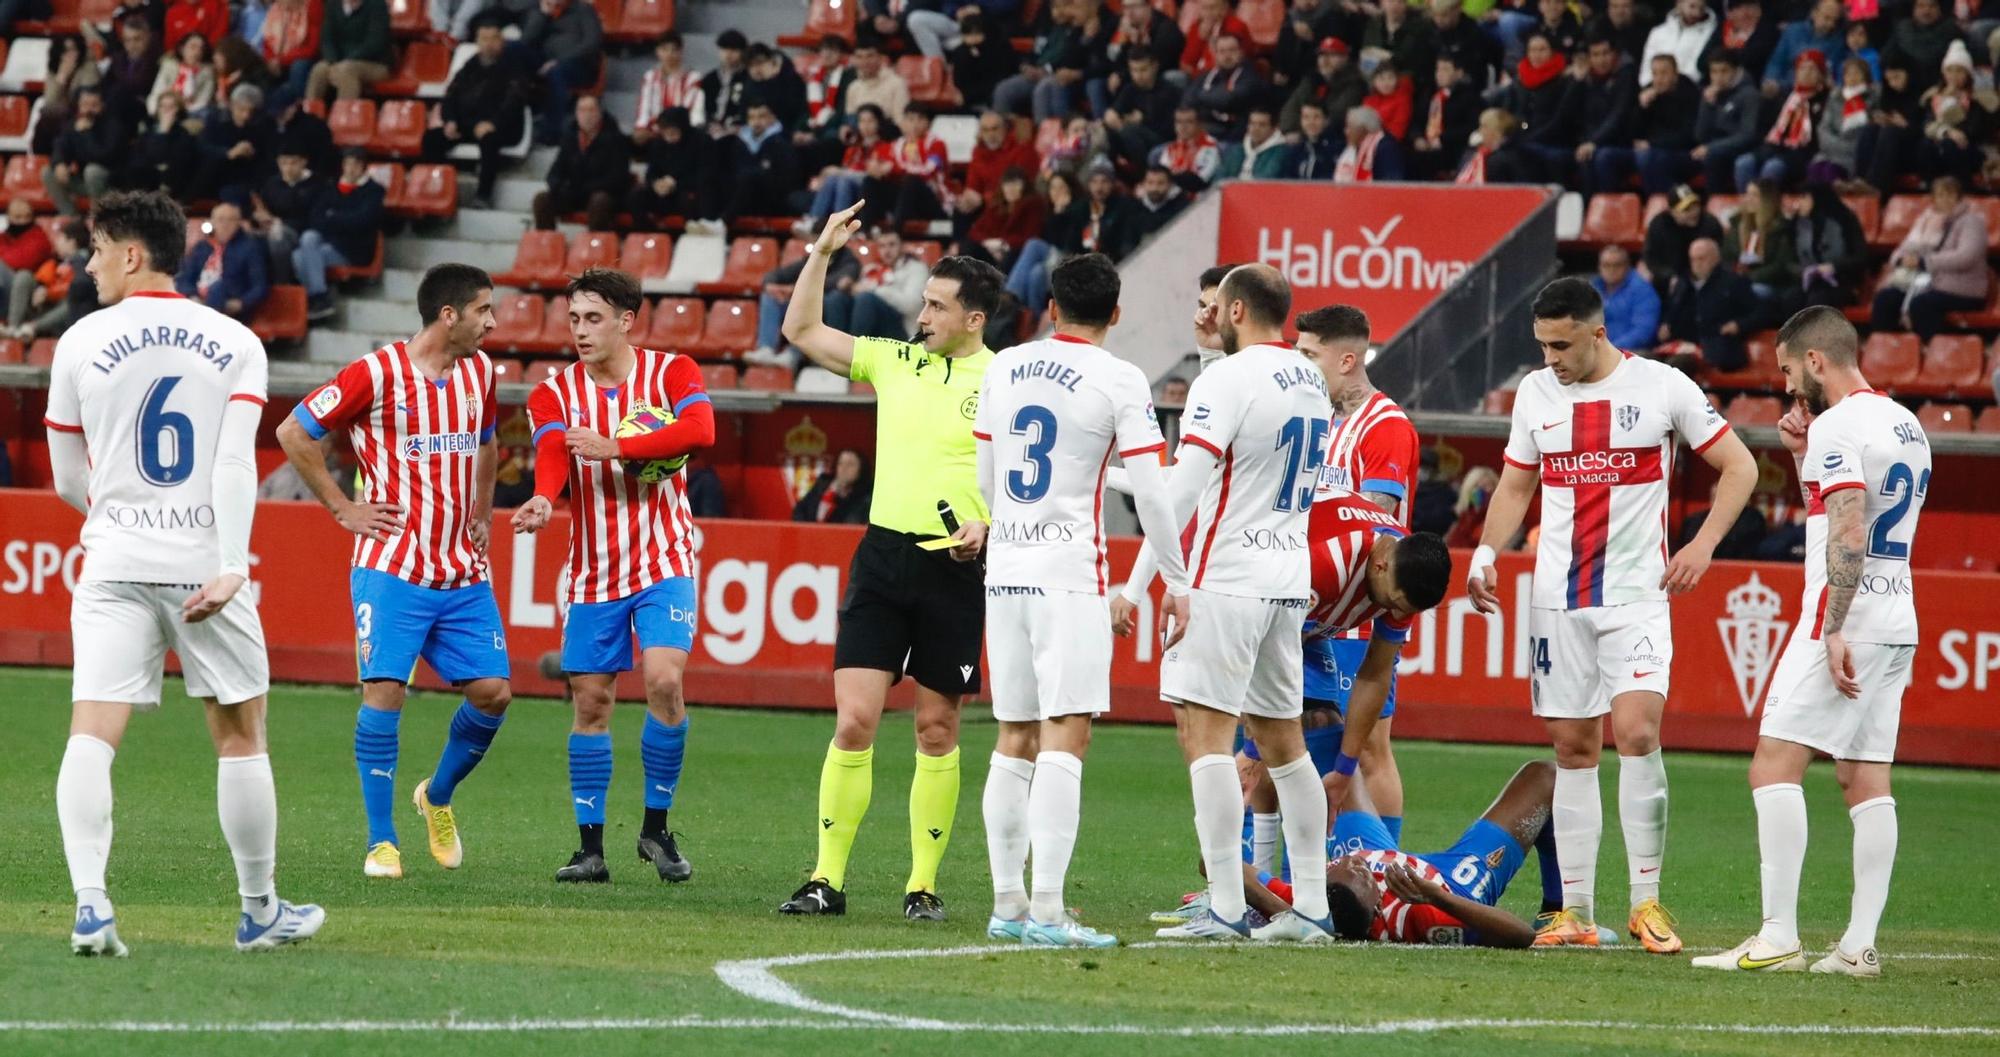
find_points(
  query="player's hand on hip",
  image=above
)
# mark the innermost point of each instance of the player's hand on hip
(1404, 883)
(971, 538)
(839, 228)
(209, 601)
(377, 521)
(1840, 662)
(1174, 611)
(590, 444)
(533, 514)
(1687, 567)
(1124, 616)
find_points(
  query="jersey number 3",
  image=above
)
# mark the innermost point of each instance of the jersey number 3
(1303, 441)
(1038, 424)
(166, 438)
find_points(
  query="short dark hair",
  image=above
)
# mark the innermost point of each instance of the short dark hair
(1569, 298)
(1823, 328)
(1264, 110)
(672, 36)
(1315, 104)
(1212, 277)
(868, 41)
(1351, 920)
(1266, 297)
(1161, 169)
(75, 230)
(1085, 289)
(618, 289)
(759, 52)
(450, 286)
(1729, 56)
(979, 283)
(837, 43)
(1423, 568)
(921, 110)
(1335, 323)
(151, 218)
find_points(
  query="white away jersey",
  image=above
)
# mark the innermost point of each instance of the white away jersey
(1605, 451)
(1869, 442)
(1054, 411)
(146, 382)
(1263, 412)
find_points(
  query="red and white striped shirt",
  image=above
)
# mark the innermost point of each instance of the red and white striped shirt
(625, 534)
(659, 93)
(1400, 922)
(417, 440)
(1341, 535)
(1373, 450)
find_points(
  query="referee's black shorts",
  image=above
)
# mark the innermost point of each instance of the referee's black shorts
(912, 611)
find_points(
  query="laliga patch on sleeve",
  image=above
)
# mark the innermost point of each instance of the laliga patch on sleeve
(324, 401)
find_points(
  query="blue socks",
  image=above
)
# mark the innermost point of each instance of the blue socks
(1394, 824)
(1545, 855)
(589, 776)
(471, 733)
(375, 737)
(660, 751)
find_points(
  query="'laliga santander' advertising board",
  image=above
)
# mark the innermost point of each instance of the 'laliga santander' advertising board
(1387, 249)
(770, 592)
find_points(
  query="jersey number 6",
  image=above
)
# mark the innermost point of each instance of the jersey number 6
(166, 438)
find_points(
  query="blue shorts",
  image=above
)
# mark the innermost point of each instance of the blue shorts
(1478, 867)
(1355, 832)
(456, 630)
(597, 636)
(1331, 665)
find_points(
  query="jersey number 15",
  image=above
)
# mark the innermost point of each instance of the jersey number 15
(1303, 440)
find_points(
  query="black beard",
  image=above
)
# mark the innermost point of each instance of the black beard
(1812, 394)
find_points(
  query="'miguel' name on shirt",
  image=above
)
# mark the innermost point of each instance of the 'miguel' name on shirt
(1061, 374)
(128, 345)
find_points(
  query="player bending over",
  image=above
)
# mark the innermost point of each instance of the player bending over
(419, 582)
(631, 552)
(1864, 465)
(153, 410)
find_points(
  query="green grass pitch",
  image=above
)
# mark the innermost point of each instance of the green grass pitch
(499, 941)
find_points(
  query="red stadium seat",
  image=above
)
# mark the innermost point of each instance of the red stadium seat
(642, 21)
(423, 62)
(929, 80)
(1945, 418)
(538, 262)
(371, 270)
(1722, 207)
(592, 249)
(1890, 358)
(1897, 220)
(1760, 367)
(718, 375)
(24, 180)
(538, 371)
(42, 353)
(1498, 402)
(1988, 206)
(750, 258)
(731, 329)
(432, 191)
(1952, 364)
(928, 251)
(825, 18)
(282, 316)
(409, 18)
(506, 371)
(647, 255)
(677, 324)
(517, 322)
(14, 111)
(390, 176)
(1988, 420)
(1754, 411)
(1266, 19)
(554, 335)
(352, 122)
(1613, 219)
(399, 128)
(768, 379)
(12, 351)
(1868, 210)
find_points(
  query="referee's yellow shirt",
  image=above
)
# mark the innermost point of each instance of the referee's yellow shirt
(924, 449)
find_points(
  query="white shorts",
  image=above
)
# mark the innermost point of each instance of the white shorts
(1579, 659)
(1804, 708)
(121, 632)
(1240, 656)
(1048, 653)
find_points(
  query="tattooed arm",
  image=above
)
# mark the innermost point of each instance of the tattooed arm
(1846, 539)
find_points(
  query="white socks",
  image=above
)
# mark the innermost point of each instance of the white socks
(1578, 815)
(1218, 825)
(1781, 846)
(83, 806)
(1874, 860)
(1302, 803)
(1006, 810)
(247, 802)
(1264, 842)
(1054, 803)
(1642, 813)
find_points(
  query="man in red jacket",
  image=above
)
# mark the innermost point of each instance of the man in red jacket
(23, 245)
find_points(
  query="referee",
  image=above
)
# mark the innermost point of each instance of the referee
(907, 610)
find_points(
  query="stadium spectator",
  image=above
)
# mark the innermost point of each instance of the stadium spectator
(1431, 508)
(1564, 30)
(874, 82)
(1749, 34)
(668, 83)
(840, 495)
(1050, 81)
(1497, 155)
(1155, 203)
(1631, 305)
(1093, 221)
(1621, 24)
(229, 269)
(931, 30)
(1958, 118)
(354, 49)
(1070, 150)
(867, 154)
(309, 133)
(1224, 93)
(1891, 145)
(1939, 268)
(210, 18)
(128, 77)
(1724, 127)
(705, 496)
(1142, 113)
(722, 88)
(1684, 35)
(1831, 250)
(165, 157)
(341, 230)
(842, 272)
(70, 72)
(1192, 155)
(565, 42)
(1449, 117)
(1334, 82)
(1306, 24)
(237, 64)
(1669, 235)
(1262, 154)
(1760, 245)
(1707, 312)
(773, 80)
(288, 43)
(1101, 223)
(1316, 156)
(994, 154)
(1212, 22)
(824, 85)
(1472, 51)
(484, 106)
(1820, 31)
(1540, 97)
(1842, 125)
(1371, 154)
(1013, 216)
(1392, 95)
(62, 291)
(680, 164)
(1173, 392)
(591, 172)
(1794, 136)
(24, 246)
(1606, 97)
(885, 300)
(188, 73)
(238, 147)
(457, 19)
(1663, 120)
(86, 153)
(282, 207)
(982, 59)
(1142, 30)
(760, 169)
(1475, 494)
(914, 187)
(1859, 44)
(1920, 42)
(1399, 36)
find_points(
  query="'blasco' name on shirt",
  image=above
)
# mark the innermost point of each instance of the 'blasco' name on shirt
(128, 345)
(1061, 374)
(1302, 375)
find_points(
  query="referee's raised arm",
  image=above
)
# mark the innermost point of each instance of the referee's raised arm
(804, 326)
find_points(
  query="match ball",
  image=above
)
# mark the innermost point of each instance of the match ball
(645, 419)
